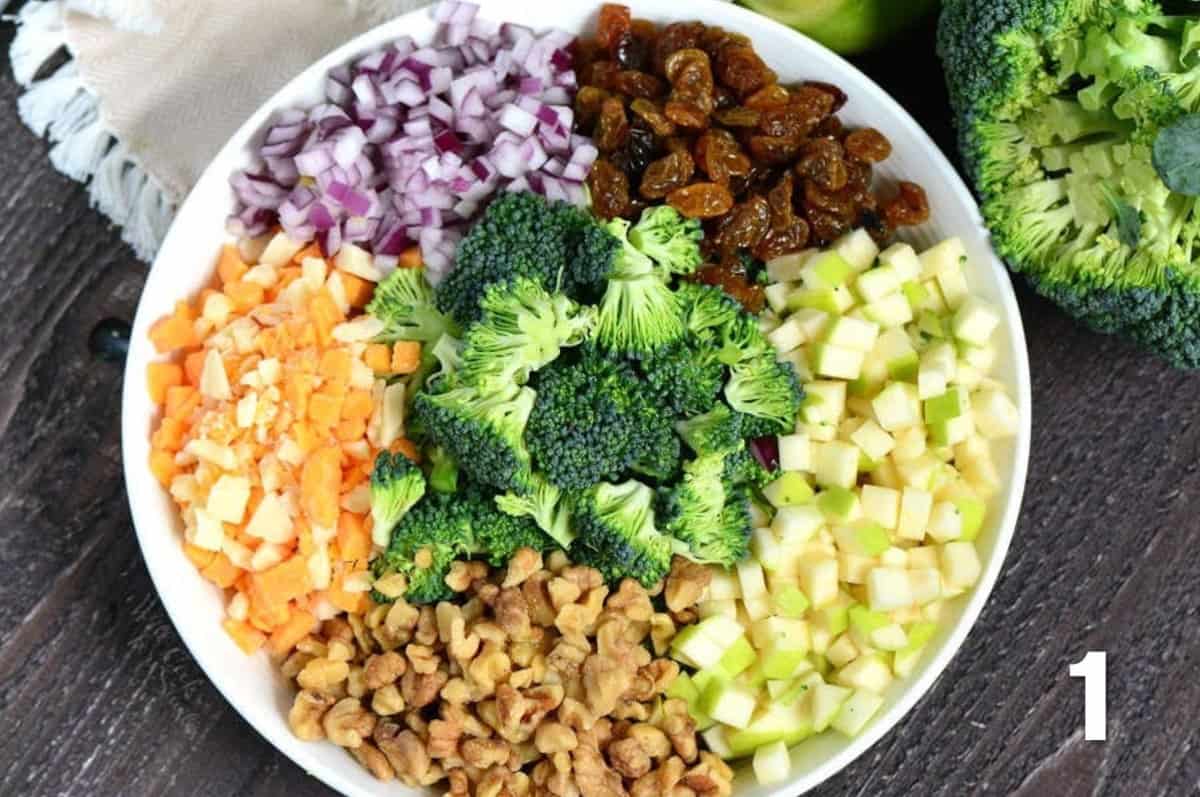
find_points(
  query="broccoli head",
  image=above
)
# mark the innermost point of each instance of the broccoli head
(742, 469)
(668, 238)
(522, 234)
(591, 421)
(706, 308)
(523, 328)
(545, 504)
(638, 312)
(396, 484)
(695, 512)
(483, 432)
(718, 430)
(686, 376)
(767, 393)
(404, 302)
(616, 533)
(1065, 109)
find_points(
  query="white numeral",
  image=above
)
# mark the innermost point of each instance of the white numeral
(1093, 669)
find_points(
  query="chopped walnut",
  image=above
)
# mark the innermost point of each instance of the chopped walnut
(554, 737)
(662, 631)
(404, 750)
(323, 675)
(384, 668)
(306, 713)
(563, 592)
(593, 775)
(628, 758)
(652, 740)
(421, 659)
(631, 600)
(484, 753)
(524, 563)
(374, 760)
(686, 583)
(347, 724)
(421, 690)
(604, 681)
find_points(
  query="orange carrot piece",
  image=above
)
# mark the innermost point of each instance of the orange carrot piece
(335, 365)
(199, 557)
(351, 429)
(351, 602)
(312, 250)
(357, 405)
(169, 435)
(245, 295)
(358, 290)
(296, 390)
(162, 465)
(159, 377)
(221, 571)
(325, 315)
(406, 447)
(230, 266)
(378, 357)
(275, 586)
(411, 257)
(267, 618)
(172, 332)
(406, 356)
(324, 409)
(320, 486)
(353, 539)
(249, 639)
(180, 401)
(286, 636)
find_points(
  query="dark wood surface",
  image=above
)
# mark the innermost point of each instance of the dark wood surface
(99, 697)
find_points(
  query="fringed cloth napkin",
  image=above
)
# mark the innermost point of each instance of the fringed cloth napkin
(150, 89)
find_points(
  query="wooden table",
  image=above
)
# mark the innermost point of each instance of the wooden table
(99, 697)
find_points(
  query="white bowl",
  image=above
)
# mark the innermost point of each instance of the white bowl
(185, 265)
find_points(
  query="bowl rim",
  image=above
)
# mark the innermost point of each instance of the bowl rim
(195, 639)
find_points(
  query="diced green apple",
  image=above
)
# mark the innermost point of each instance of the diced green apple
(824, 402)
(903, 259)
(842, 651)
(945, 522)
(856, 712)
(839, 362)
(833, 301)
(790, 601)
(925, 584)
(972, 511)
(825, 702)
(945, 407)
(827, 269)
(786, 268)
(694, 648)
(888, 588)
(873, 440)
(995, 413)
(819, 580)
(811, 322)
(876, 283)
(737, 658)
(789, 489)
(897, 407)
(916, 294)
(960, 565)
(772, 763)
(852, 333)
(863, 537)
(835, 464)
(953, 287)
(870, 672)
(795, 525)
(880, 505)
(918, 472)
(712, 608)
(723, 586)
(795, 452)
(854, 567)
(765, 547)
(974, 321)
(729, 702)
(890, 638)
(787, 336)
(944, 257)
(777, 294)
(889, 311)
(724, 630)
(716, 741)
(923, 556)
(857, 248)
(839, 504)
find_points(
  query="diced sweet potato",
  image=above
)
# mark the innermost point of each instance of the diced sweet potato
(286, 636)
(248, 638)
(230, 266)
(406, 356)
(320, 486)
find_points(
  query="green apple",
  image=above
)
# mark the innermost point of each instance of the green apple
(774, 723)
(790, 489)
(729, 702)
(826, 701)
(854, 714)
(790, 601)
(772, 764)
(826, 269)
(838, 503)
(846, 26)
(863, 537)
(945, 407)
(737, 658)
(972, 511)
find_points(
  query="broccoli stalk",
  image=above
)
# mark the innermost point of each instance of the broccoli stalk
(1062, 107)
(396, 484)
(638, 313)
(616, 533)
(404, 302)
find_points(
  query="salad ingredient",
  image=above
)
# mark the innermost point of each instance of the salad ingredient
(546, 682)
(268, 437)
(409, 142)
(883, 490)
(708, 511)
(522, 235)
(769, 168)
(616, 533)
(403, 301)
(396, 484)
(847, 26)
(1075, 126)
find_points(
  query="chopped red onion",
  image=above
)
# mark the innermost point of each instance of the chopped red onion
(410, 142)
(766, 451)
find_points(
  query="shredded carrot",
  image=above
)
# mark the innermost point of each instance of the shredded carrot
(406, 356)
(249, 639)
(230, 266)
(353, 538)
(286, 636)
(411, 257)
(378, 357)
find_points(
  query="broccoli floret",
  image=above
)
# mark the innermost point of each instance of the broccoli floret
(443, 471)
(1060, 104)
(638, 313)
(546, 506)
(396, 484)
(668, 238)
(616, 533)
(484, 432)
(706, 308)
(718, 430)
(685, 376)
(694, 511)
(592, 420)
(443, 528)
(524, 235)
(404, 302)
(662, 455)
(522, 329)
(742, 469)
(438, 367)
(767, 393)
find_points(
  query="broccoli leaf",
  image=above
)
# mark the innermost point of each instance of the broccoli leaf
(1176, 155)
(1129, 221)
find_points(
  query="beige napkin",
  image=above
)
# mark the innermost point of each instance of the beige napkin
(151, 89)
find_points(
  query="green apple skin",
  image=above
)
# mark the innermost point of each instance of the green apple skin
(846, 26)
